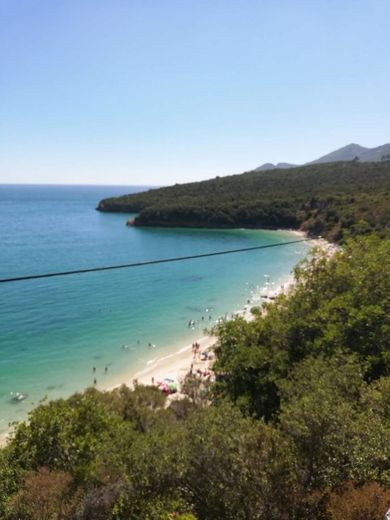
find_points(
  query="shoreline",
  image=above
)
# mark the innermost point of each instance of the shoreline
(178, 362)
(173, 366)
(176, 365)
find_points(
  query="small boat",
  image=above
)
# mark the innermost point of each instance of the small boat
(17, 397)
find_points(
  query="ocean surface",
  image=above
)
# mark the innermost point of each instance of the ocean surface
(55, 331)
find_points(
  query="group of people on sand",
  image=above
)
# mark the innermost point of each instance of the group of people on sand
(205, 374)
(167, 386)
(201, 374)
(204, 356)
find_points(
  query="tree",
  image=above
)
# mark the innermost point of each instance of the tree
(318, 412)
(340, 304)
(44, 496)
(238, 469)
(351, 502)
(67, 435)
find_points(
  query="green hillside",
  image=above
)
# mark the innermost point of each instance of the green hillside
(323, 199)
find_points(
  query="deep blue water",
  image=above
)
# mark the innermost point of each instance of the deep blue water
(54, 331)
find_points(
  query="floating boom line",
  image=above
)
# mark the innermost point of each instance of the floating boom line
(147, 262)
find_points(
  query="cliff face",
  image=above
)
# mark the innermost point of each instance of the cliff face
(320, 198)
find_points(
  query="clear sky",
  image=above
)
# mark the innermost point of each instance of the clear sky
(163, 91)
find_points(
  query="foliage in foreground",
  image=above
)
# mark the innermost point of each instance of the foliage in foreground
(299, 427)
(340, 305)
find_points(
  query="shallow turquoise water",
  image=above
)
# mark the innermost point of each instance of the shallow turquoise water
(54, 331)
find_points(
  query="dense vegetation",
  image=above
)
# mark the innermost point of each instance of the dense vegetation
(298, 427)
(323, 199)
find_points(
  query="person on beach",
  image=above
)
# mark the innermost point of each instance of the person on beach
(105, 370)
(94, 369)
(95, 381)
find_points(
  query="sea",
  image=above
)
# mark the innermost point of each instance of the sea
(60, 335)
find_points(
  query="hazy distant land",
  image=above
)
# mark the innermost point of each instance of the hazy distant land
(349, 152)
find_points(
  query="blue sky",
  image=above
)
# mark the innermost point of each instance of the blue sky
(163, 91)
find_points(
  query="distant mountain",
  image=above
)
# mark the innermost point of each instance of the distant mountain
(269, 166)
(351, 151)
(379, 153)
(346, 153)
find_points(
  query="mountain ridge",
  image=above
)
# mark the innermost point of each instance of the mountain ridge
(345, 153)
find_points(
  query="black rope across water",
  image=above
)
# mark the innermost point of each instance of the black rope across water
(147, 262)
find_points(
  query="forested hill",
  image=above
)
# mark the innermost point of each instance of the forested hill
(323, 199)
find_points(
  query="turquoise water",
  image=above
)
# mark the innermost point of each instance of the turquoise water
(54, 331)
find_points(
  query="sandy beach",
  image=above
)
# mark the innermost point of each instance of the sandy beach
(177, 364)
